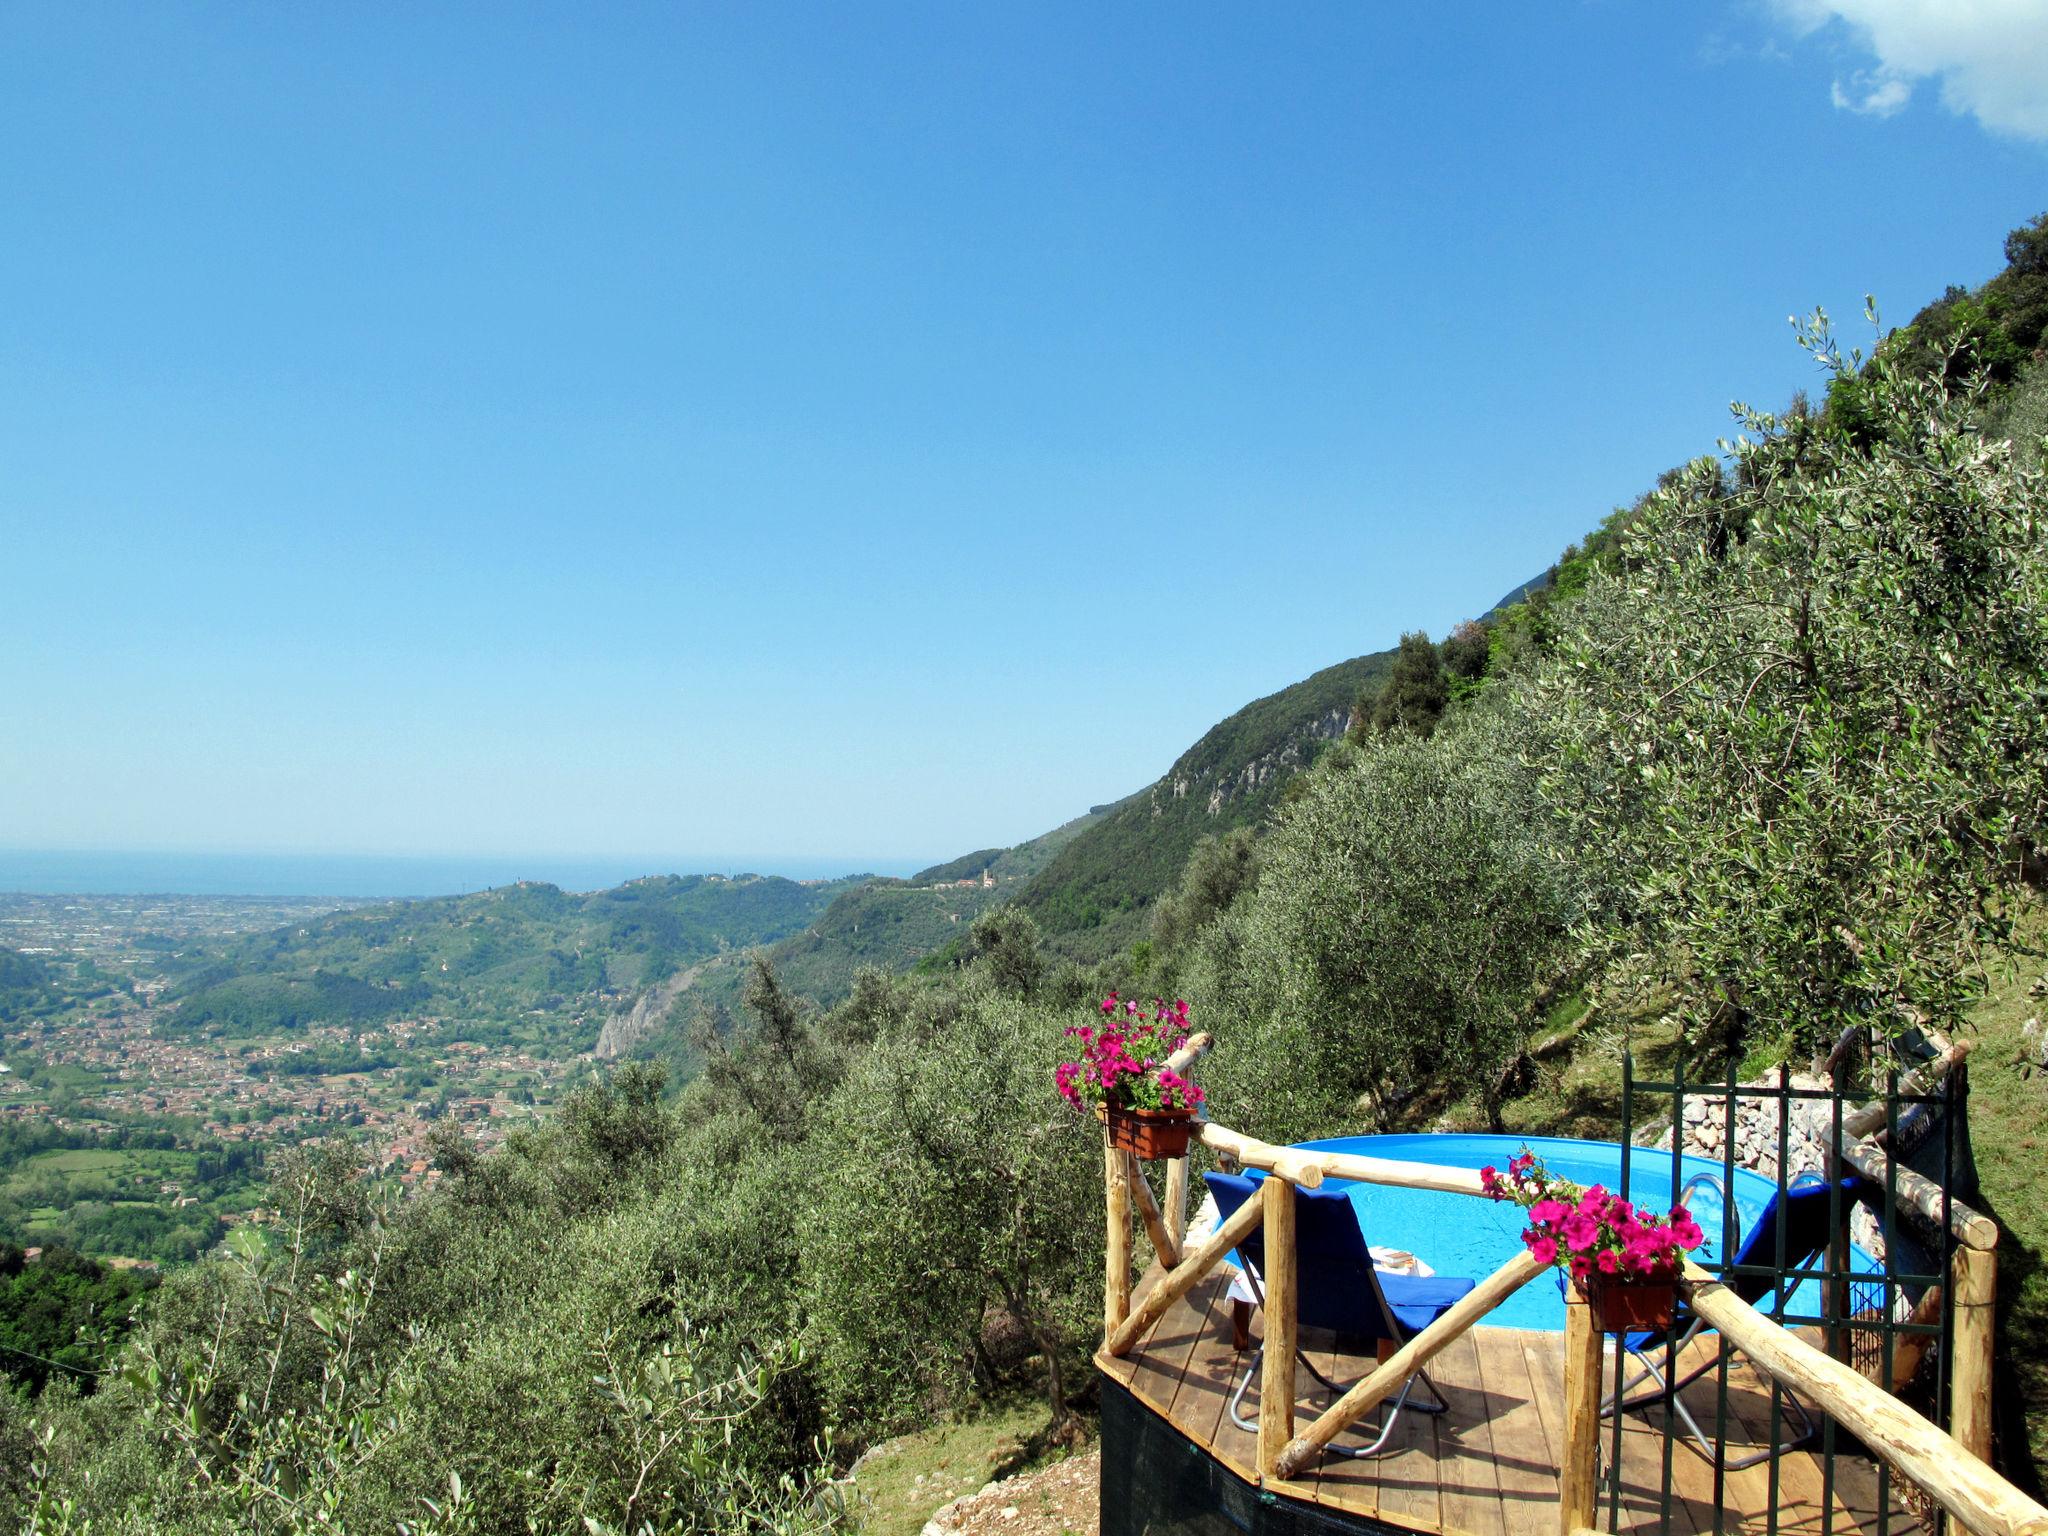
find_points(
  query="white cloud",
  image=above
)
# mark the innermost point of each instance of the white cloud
(1990, 56)
(1874, 95)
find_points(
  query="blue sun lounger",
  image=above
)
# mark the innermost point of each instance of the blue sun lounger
(1339, 1289)
(1780, 1263)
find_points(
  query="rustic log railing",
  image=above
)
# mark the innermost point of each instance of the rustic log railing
(1951, 1466)
(1915, 1448)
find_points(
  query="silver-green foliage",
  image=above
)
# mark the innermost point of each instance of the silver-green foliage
(2023, 415)
(1410, 906)
(1801, 726)
(587, 1331)
(955, 1198)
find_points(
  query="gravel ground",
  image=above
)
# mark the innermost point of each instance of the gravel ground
(1059, 1500)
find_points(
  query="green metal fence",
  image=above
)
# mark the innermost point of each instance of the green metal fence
(1869, 1320)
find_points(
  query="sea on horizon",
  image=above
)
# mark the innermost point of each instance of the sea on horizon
(96, 872)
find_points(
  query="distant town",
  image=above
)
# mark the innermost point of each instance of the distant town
(92, 1076)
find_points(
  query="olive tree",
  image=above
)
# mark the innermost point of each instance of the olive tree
(1802, 722)
(953, 1193)
(1409, 909)
(1218, 871)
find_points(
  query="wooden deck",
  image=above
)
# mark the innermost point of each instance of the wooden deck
(1489, 1466)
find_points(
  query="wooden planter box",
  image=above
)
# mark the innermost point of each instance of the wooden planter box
(1631, 1306)
(1150, 1134)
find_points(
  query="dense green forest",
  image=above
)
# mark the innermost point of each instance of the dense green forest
(1766, 758)
(26, 985)
(969, 866)
(884, 923)
(64, 1314)
(895, 925)
(98, 1190)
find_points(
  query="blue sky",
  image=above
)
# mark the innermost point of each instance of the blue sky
(867, 433)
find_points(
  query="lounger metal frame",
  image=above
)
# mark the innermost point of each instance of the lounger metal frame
(1390, 1412)
(1667, 1391)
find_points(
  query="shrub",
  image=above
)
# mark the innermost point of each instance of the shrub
(952, 1193)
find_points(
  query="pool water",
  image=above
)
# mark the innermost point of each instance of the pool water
(1460, 1235)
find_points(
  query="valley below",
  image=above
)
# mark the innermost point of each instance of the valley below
(129, 1137)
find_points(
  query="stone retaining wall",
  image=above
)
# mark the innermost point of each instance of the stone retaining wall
(1809, 1128)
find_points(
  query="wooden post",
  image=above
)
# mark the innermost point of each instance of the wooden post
(1840, 1262)
(1304, 1168)
(1578, 1477)
(1871, 1118)
(1116, 1263)
(1164, 1243)
(1185, 1277)
(1197, 1047)
(1177, 1199)
(1182, 1061)
(1910, 1350)
(1974, 1287)
(1276, 1371)
(1309, 1169)
(1400, 1175)
(1916, 1192)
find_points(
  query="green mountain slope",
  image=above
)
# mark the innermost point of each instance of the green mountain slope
(894, 924)
(1091, 897)
(490, 958)
(26, 984)
(2022, 416)
(967, 867)
(1087, 882)
(1028, 859)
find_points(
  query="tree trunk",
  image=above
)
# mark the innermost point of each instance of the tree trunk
(1065, 1426)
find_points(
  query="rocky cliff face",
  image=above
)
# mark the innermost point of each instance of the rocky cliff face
(625, 1029)
(1809, 1131)
(1267, 768)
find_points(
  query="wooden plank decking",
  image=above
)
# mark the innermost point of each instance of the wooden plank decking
(1489, 1466)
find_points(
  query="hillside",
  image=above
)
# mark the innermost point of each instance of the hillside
(967, 867)
(26, 984)
(490, 958)
(565, 971)
(1091, 897)
(892, 924)
(1018, 863)
(1459, 923)
(1088, 882)
(2022, 415)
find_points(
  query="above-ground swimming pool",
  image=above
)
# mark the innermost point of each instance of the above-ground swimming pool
(1461, 1235)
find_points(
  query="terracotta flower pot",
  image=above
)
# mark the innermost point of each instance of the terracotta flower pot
(1629, 1305)
(1149, 1134)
